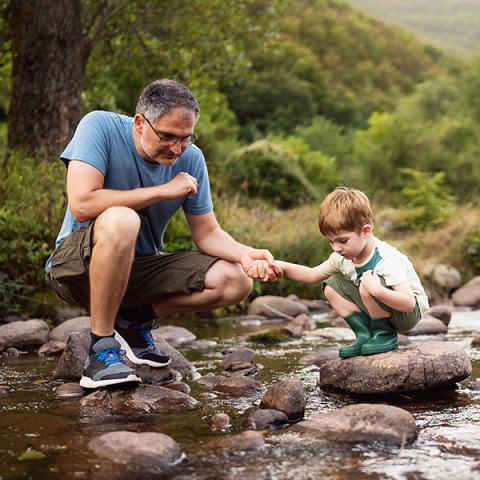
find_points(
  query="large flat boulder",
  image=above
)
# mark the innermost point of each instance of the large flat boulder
(362, 423)
(468, 295)
(272, 306)
(416, 367)
(24, 334)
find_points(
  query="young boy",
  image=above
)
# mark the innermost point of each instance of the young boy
(369, 283)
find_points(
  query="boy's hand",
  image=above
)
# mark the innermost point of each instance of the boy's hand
(371, 281)
(264, 271)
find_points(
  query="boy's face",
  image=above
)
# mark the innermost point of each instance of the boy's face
(350, 245)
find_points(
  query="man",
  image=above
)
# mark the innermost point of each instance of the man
(126, 178)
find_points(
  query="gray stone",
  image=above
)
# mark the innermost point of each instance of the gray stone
(178, 386)
(476, 341)
(147, 450)
(446, 277)
(179, 362)
(417, 367)
(428, 325)
(442, 312)
(70, 365)
(5, 390)
(152, 376)
(332, 333)
(220, 421)
(11, 352)
(239, 356)
(238, 386)
(69, 390)
(52, 347)
(362, 423)
(267, 419)
(247, 441)
(174, 335)
(468, 295)
(210, 380)
(202, 344)
(303, 321)
(475, 385)
(320, 357)
(273, 307)
(74, 325)
(286, 396)
(24, 334)
(143, 398)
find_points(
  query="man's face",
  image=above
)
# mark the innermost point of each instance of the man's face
(166, 139)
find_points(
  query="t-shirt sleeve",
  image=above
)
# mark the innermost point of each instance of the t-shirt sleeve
(328, 268)
(201, 203)
(393, 270)
(90, 143)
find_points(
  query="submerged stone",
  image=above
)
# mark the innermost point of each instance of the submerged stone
(238, 386)
(319, 357)
(69, 390)
(220, 421)
(287, 396)
(417, 367)
(267, 418)
(247, 441)
(146, 450)
(271, 336)
(241, 356)
(362, 423)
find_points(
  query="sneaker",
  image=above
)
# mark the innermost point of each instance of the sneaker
(138, 343)
(104, 366)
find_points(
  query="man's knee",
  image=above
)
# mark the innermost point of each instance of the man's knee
(231, 282)
(119, 226)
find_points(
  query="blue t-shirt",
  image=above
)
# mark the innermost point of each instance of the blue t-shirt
(105, 141)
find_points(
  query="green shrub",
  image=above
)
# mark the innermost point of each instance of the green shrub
(268, 171)
(472, 249)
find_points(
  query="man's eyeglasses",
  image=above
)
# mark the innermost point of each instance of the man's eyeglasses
(169, 138)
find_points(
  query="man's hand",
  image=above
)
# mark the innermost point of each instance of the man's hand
(371, 281)
(181, 186)
(260, 264)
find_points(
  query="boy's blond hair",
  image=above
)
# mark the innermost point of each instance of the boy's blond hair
(344, 209)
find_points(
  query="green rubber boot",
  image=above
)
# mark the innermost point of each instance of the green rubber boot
(384, 337)
(359, 322)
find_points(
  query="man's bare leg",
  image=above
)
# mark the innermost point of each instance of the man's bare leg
(225, 284)
(114, 237)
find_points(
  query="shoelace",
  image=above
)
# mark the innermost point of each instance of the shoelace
(111, 356)
(147, 336)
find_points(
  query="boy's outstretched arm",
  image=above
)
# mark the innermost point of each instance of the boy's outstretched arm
(309, 275)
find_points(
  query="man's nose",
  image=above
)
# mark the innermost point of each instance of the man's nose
(176, 148)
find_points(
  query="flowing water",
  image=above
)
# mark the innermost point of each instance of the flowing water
(42, 437)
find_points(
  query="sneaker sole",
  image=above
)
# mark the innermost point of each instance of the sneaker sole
(133, 358)
(87, 382)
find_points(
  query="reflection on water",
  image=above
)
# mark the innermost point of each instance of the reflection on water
(33, 420)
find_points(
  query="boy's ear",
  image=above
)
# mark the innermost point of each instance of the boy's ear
(367, 229)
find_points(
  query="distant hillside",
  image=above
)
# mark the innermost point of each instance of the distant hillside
(451, 24)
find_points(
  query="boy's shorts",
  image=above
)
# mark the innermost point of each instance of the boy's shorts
(402, 321)
(151, 278)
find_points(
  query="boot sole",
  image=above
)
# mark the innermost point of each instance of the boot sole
(133, 358)
(87, 382)
(373, 351)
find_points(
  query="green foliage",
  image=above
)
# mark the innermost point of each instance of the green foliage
(472, 249)
(32, 206)
(177, 236)
(271, 172)
(425, 199)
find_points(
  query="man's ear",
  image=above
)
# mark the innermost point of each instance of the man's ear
(367, 230)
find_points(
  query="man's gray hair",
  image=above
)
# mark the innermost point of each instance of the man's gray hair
(162, 96)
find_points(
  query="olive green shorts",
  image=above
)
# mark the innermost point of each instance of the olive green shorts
(402, 321)
(151, 278)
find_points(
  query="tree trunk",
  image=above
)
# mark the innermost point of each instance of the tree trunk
(49, 54)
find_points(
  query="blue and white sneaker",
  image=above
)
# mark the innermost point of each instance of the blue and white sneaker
(105, 366)
(138, 343)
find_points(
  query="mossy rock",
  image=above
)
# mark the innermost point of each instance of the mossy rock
(271, 336)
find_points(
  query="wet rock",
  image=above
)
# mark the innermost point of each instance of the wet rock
(3, 345)
(267, 418)
(152, 376)
(70, 365)
(403, 340)
(247, 441)
(179, 362)
(174, 335)
(320, 357)
(442, 312)
(24, 334)
(467, 295)
(52, 347)
(206, 395)
(428, 325)
(210, 380)
(273, 307)
(332, 333)
(244, 319)
(316, 306)
(141, 398)
(220, 421)
(238, 357)
(287, 396)
(362, 423)
(303, 321)
(420, 366)
(446, 277)
(11, 352)
(202, 344)
(238, 386)
(74, 325)
(476, 341)
(244, 369)
(147, 450)
(63, 313)
(69, 390)
(475, 385)
(338, 321)
(271, 336)
(178, 386)
(5, 390)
